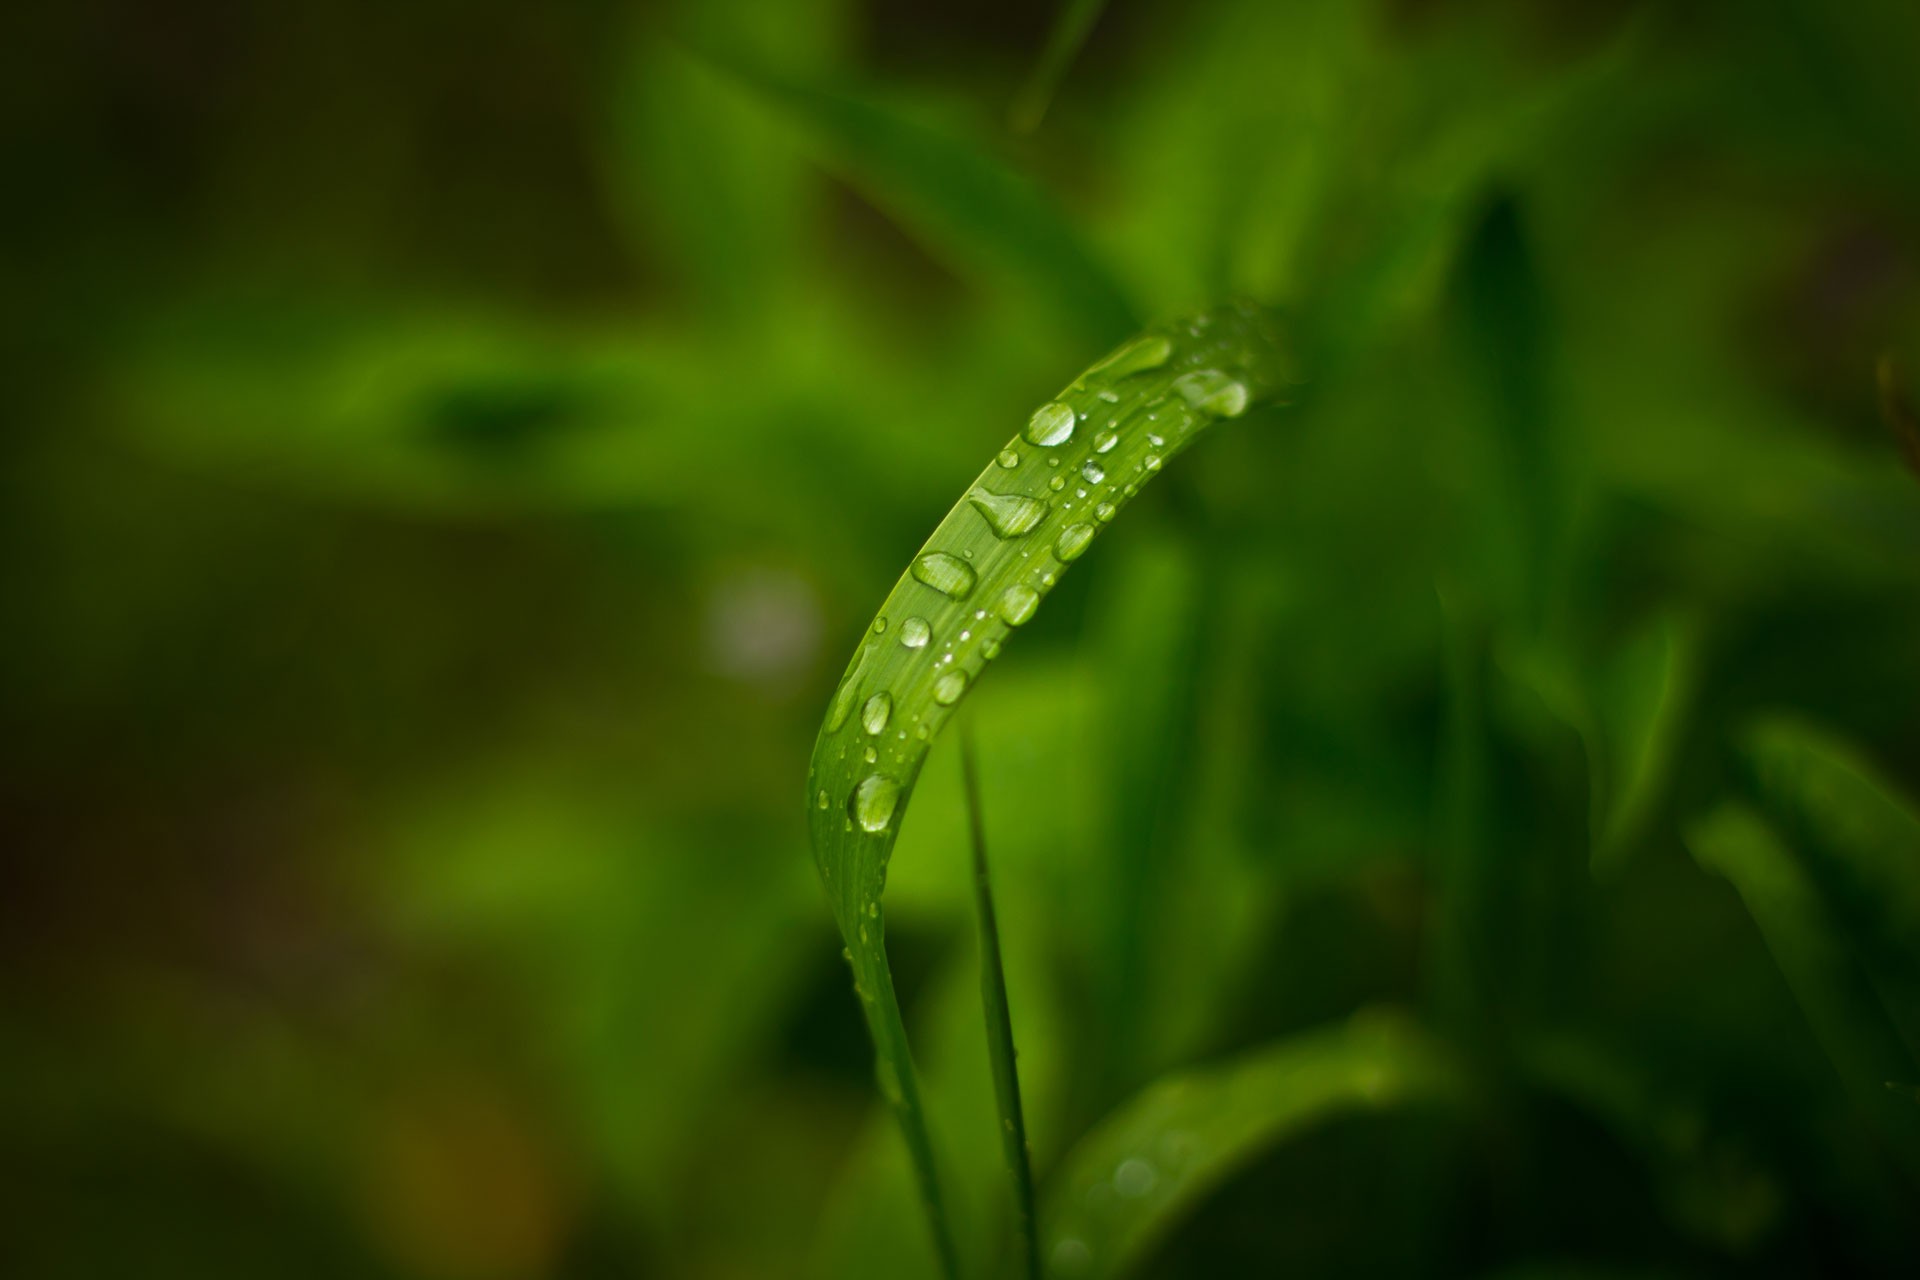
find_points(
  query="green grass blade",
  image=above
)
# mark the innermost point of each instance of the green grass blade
(1127, 1184)
(1033, 511)
(1859, 842)
(956, 198)
(1000, 1051)
(1071, 27)
(1808, 944)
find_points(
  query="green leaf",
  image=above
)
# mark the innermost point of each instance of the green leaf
(1127, 1184)
(959, 200)
(1859, 843)
(1033, 511)
(1808, 943)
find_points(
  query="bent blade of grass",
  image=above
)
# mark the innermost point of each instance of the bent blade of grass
(984, 572)
(1000, 1052)
(1131, 1181)
(953, 196)
(1859, 843)
(1811, 947)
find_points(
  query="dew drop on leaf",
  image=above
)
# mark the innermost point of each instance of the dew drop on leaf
(1092, 471)
(948, 574)
(1009, 515)
(1018, 602)
(1105, 441)
(1008, 459)
(1211, 391)
(1143, 353)
(914, 633)
(1072, 541)
(1051, 424)
(1106, 511)
(948, 688)
(872, 804)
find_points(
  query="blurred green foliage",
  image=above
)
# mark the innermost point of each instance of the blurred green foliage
(452, 449)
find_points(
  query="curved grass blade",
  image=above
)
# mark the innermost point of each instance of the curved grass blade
(1034, 510)
(1127, 1184)
(1000, 1052)
(1859, 843)
(954, 196)
(1071, 27)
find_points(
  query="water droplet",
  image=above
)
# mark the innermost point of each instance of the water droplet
(873, 802)
(989, 649)
(1072, 541)
(1009, 515)
(1109, 397)
(948, 688)
(1092, 471)
(1104, 442)
(880, 624)
(1106, 511)
(1057, 483)
(914, 633)
(947, 574)
(1149, 351)
(1008, 459)
(1151, 462)
(875, 714)
(1135, 1178)
(821, 799)
(873, 910)
(1158, 442)
(871, 756)
(1018, 603)
(1050, 424)
(1211, 391)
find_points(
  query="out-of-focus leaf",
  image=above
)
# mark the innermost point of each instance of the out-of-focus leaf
(1071, 27)
(959, 200)
(1809, 943)
(1858, 841)
(1128, 1183)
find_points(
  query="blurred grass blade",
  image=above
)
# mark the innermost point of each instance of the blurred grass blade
(1647, 697)
(1859, 843)
(959, 200)
(1131, 1181)
(1000, 1051)
(985, 570)
(1071, 27)
(1807, 943)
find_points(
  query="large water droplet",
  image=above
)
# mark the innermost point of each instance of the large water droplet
(1092, 472)
(1072, 541)
(1009, 515)
(914, 633)
(949, 575)
(872, 803)
(948, 688)
(1018, 602)
(1211, 391)
(1149, 351)
(874, 715)
(1050, 424)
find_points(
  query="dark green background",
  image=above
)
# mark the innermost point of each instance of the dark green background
(450, 450)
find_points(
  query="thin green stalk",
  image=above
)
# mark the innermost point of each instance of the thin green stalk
(1000, 1051)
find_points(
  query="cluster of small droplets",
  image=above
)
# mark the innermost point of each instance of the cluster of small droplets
(1196, 393)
